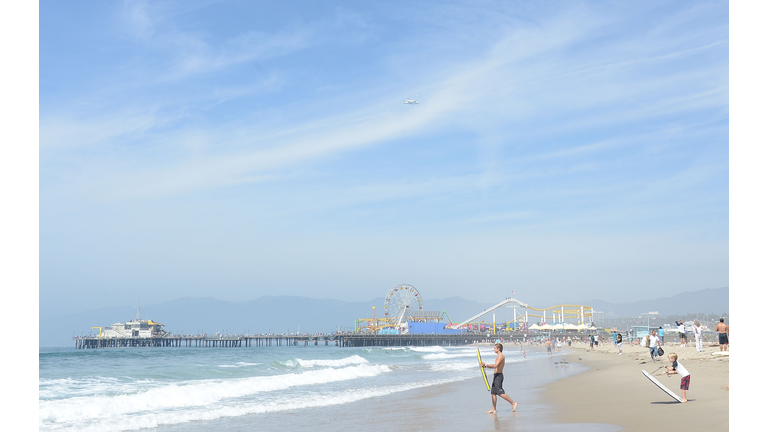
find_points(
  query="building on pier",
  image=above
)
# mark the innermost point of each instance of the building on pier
(137, 328)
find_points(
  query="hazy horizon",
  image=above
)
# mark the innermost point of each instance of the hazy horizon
(293, 313)
(142, 304)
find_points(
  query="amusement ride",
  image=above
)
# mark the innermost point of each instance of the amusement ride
(403, 303)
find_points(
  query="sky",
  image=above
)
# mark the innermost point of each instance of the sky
(563, 150)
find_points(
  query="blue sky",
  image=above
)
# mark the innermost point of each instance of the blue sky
(564, 150)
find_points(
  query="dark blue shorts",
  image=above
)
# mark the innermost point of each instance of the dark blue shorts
(498, 380)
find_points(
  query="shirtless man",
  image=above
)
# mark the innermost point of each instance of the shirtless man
(722, 330)
(548, 344)
(498, 378)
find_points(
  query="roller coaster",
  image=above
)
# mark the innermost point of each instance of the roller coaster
(559, 313)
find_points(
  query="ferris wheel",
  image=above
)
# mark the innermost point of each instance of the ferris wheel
(399, 301)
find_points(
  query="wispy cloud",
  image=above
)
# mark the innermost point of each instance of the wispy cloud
(475, 90)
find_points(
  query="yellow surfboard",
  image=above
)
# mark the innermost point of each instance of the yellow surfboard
(482, 369)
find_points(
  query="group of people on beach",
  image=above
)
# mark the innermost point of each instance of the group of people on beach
(653, 342)
(550, 342)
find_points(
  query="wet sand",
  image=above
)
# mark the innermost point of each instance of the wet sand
(613, 389)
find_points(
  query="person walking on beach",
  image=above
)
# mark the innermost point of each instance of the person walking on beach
(677, 368)
(498, 378)
(653, 343)
(592, 342)
(618, 342)
(661, 335)
(722, 334)
(697, 330)
(548, 344)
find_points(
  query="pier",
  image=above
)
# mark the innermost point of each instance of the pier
(340, 340)
(212, 341)
(397, 340)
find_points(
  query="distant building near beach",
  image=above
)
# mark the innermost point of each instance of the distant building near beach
(641, 331)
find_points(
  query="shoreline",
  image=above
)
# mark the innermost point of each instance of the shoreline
(613, 391)
(433, 408)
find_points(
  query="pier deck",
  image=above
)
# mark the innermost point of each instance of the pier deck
(341, 340)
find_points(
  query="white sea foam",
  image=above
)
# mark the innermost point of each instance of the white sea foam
(189, 394)
(441, 356)
(452, 367)
(347, 361)
(155, 419)
(428, 349)
(239, 364)
(68, 387)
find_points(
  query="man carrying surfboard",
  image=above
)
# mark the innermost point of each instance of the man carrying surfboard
(498, 378)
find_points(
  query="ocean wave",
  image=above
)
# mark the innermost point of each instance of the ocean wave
(239, 364)
(428, 349)
(442, 356)
(61, 387)
(280, 404)
(190, 394)
(347, 361)
(452, 367)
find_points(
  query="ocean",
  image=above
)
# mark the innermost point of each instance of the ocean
(319, 388)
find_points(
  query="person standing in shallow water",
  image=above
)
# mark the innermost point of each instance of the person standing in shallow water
(498, 378)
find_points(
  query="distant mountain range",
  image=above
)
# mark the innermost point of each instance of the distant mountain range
(288, 314)
(706, 301)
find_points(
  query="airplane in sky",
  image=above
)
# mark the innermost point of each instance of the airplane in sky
(411, 101)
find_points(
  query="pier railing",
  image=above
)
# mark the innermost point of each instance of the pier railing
(340, 339)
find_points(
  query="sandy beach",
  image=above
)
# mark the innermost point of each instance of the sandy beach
(614, 391)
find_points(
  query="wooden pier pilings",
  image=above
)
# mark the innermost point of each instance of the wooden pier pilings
(90, 342)
(386, 340)
(341, 340)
